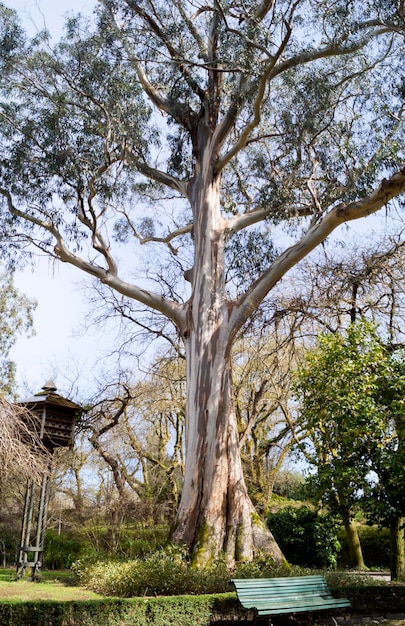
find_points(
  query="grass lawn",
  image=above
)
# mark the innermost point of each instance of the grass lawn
(51, 587)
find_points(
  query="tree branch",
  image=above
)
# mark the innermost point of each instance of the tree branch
(157, 175)
(175, 56)
(374, 28)
(244, 136)
(316, 234)
(263, 10)
(171, 309)
(179, 232)
(337, 48)
(193, 31)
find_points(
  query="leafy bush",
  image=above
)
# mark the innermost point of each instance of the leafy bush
(306, 537)
(60, 551)
(166, 572)
(102, 542)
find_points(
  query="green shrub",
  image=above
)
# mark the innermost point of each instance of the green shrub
(60, 551)
(166, 572)
(306, 537)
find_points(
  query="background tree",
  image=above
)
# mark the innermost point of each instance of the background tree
(349, 391)
(263, 362)
(348, 281)
(187, 128)
(307, 537)
(15, 319)
(384, 499)
(22, 454)
(337, 387)
(17, 434)
(137, 429)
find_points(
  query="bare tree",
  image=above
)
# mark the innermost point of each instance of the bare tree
(21, 448)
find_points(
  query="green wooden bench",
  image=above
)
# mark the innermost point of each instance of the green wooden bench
(286, 595)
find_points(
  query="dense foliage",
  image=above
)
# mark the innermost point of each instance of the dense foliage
(351, 389)
(306, 537)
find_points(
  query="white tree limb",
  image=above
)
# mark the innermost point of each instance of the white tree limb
(343, 212)
(171, 309)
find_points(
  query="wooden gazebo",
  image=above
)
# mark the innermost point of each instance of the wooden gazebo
(55, 423)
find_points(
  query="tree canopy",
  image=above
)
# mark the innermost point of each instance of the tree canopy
(15, 319)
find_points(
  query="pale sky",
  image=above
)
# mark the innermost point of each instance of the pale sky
(37, 13)
(60, 307)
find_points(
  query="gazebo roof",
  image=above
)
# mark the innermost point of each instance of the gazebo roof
(49, 396)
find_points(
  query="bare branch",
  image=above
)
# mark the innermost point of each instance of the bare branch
(316, 234)
(173, 310)
(179, 232)
(20, 445)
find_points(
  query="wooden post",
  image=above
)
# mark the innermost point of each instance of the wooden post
(33, 544)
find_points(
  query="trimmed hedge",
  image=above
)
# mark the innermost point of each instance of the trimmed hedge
(205, 610)
(162, 611)
(374, 598)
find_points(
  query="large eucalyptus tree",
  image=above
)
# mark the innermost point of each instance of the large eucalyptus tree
(190, 129)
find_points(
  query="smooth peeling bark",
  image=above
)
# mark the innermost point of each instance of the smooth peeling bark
(215, 515)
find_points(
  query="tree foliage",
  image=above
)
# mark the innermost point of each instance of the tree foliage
(79, 132)
(306, 537)
(15, 319)
(338, 387)
(351, 395)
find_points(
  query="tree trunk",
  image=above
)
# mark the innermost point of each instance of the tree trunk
(215, 515)
(398, 550)
(353, 540)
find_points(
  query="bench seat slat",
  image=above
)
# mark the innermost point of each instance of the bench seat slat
(284, 580)
(300, 608)
(294, 601)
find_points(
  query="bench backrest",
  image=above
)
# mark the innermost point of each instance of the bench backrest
(254, 589)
